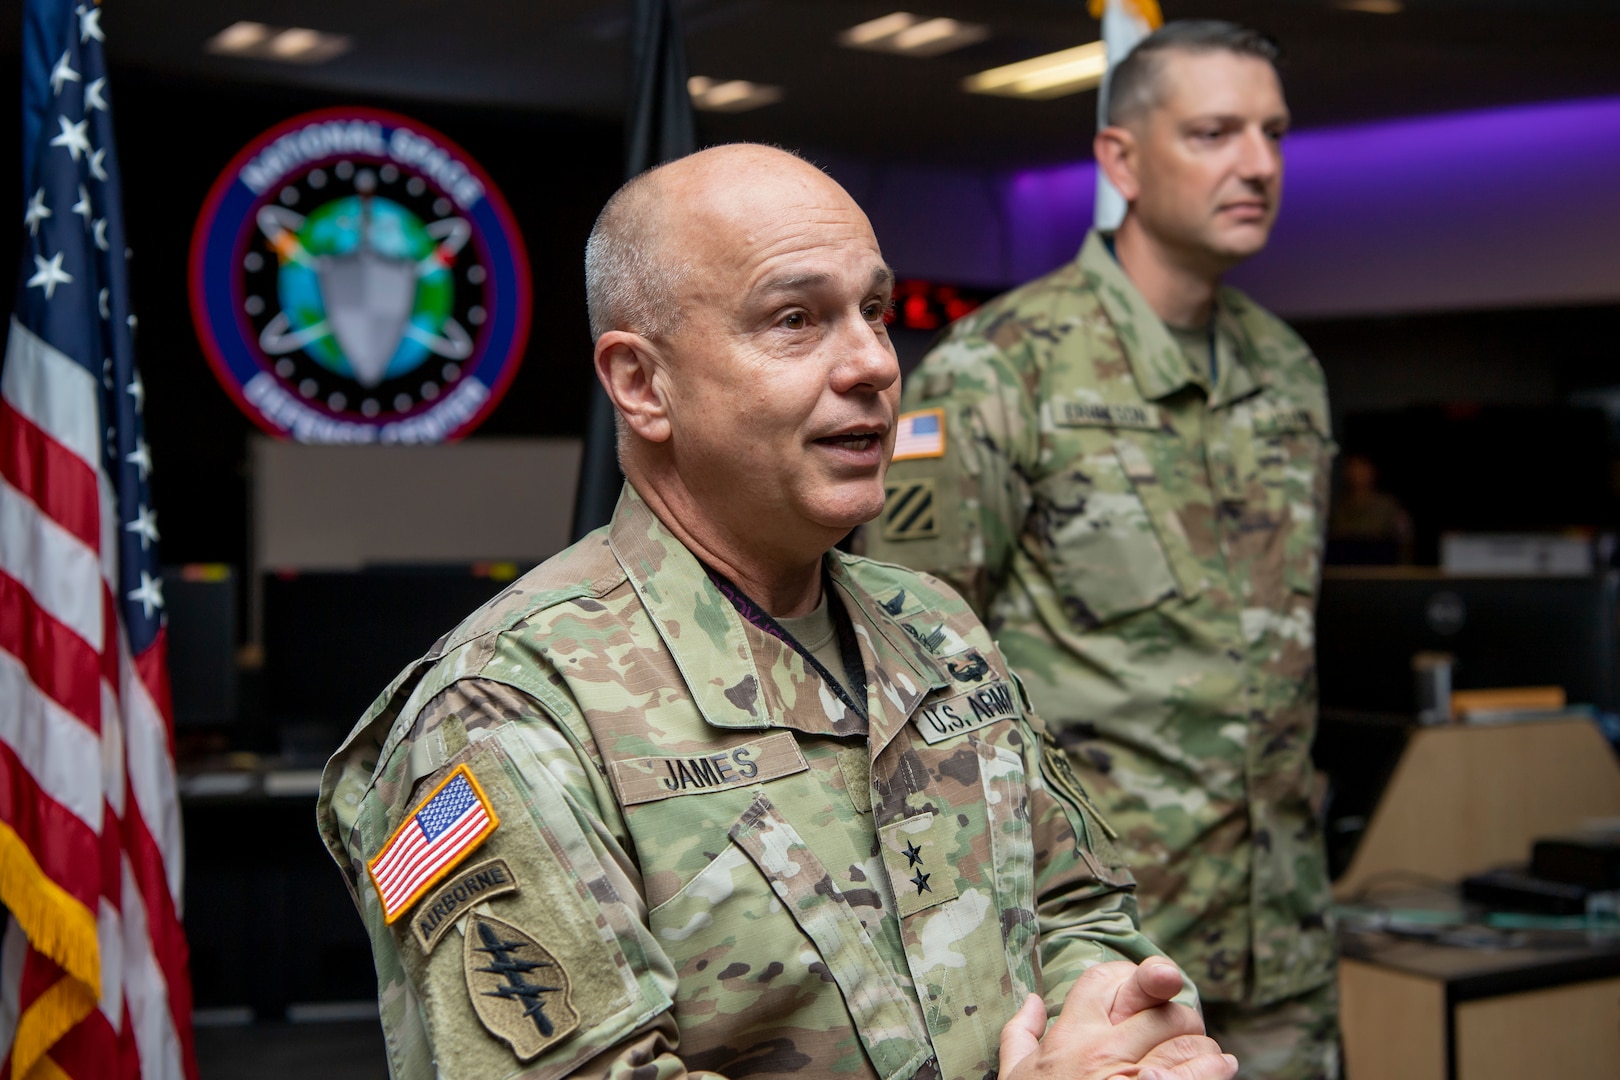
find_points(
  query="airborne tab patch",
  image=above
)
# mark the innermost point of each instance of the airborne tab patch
(908, 510)
(983, 706)
(474, 885)
(443, 830)
(519, 990)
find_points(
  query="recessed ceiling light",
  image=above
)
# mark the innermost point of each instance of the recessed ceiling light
(295, 42)
(912, 35)
(1373, 7)
(877, 29)
(239, 37)
(290, 44)
(1049, 76)
(730, 95)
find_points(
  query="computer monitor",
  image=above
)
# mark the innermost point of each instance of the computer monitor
(200, 604)
(333, 640)
(1520, 631)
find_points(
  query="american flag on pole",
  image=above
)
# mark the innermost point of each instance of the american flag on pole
(93, 967)
(450, 823)
(919, 435)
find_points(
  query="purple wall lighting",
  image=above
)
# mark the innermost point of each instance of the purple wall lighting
(1504, 207)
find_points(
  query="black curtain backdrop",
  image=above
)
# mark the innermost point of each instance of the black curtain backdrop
(659, 128)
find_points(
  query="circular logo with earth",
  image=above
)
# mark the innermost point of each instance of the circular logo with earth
(357, 278)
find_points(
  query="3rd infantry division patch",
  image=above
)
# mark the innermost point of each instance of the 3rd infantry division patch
(908, 510)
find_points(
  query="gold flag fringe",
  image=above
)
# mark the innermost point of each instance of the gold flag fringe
(59, 926)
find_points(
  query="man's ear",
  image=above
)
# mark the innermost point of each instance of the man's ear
(628, 366)
(1116, 153)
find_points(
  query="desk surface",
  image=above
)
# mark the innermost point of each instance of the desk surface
(1427, 924)
(1470, 973)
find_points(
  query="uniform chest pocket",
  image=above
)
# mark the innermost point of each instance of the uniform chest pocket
(1096, 537)
(763, 929)
(961, 862)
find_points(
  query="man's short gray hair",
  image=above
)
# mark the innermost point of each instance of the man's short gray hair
(630, 281)
(1136, 86)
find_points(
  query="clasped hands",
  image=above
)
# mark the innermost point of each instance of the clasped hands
(1117, 1023)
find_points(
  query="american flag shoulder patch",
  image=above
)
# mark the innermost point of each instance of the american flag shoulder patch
(444, 829)
(920, 434)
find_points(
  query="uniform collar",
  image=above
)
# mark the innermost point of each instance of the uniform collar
(899, 673)
(1158, 364)
(734, 673)
(698, 625)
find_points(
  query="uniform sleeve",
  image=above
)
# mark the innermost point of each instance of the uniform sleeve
(1085, 897)
(531, 949)
(957, 511)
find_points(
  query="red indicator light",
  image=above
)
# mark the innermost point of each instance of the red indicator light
(917, 315)
(924, 305)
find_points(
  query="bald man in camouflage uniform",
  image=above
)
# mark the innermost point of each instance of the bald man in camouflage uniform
(698, 797)
(1124, 467)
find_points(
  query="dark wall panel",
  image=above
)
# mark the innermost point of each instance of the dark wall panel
(176, 136)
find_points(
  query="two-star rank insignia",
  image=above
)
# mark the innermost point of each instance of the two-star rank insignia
(916, 853)
(519, 990)
(913, 855)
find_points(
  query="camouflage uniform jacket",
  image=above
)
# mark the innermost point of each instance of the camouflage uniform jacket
(706, 860)
(1145, 549)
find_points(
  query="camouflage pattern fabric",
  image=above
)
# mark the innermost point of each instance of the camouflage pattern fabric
(1296, 1039)
(708, 862)
(1145, 549)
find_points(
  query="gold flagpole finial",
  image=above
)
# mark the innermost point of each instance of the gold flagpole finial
(1147, 10)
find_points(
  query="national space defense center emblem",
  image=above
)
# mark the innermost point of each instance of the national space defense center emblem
(357, 278)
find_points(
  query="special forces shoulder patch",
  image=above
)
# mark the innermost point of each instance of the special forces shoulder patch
(519, 990)
(433, 839)
(908, 510)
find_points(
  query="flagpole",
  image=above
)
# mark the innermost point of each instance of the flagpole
(659, 128)
(95, 979)
(1124, 23)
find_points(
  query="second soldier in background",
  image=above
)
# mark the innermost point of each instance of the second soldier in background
(1123, 466)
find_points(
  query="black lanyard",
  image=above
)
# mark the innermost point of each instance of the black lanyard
(848, 648)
